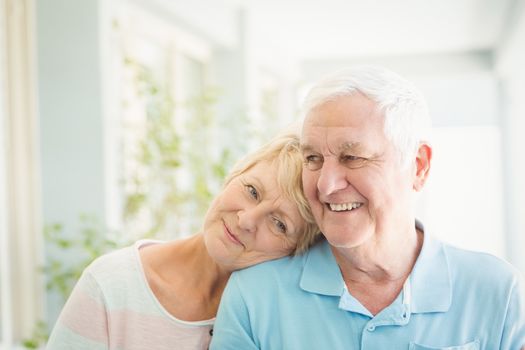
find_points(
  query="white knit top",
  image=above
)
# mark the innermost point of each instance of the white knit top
(113, 307)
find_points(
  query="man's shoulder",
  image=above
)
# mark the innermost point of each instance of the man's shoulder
(284, 265)
(272, 269)
(283, 274)
(480, 266)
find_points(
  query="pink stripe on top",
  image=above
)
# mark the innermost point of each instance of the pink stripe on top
(112, 307)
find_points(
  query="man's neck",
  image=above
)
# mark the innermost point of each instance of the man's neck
(374, 274)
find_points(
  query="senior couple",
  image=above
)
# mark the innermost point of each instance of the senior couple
(374, 278)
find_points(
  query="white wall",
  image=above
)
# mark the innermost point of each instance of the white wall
(71, 123)
(214, 20)
(463, 202)
(509, 60)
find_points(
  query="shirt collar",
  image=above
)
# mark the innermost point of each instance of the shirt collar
(430, 278)
(431, 287)
(321, 273)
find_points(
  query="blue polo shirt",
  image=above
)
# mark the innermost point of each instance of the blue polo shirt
(454, 299)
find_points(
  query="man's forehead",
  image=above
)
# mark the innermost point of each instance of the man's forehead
(346, 132)
(340, 146)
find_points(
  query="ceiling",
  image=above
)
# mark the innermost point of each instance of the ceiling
(331, 29)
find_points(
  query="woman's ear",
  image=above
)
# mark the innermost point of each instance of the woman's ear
(423, 159)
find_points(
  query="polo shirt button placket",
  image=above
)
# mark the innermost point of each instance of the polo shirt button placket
(369, 338)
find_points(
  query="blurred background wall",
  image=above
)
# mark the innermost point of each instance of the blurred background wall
(119, 118)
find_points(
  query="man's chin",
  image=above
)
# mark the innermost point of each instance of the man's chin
(344, 239)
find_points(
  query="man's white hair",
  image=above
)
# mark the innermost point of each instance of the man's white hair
(407, 121)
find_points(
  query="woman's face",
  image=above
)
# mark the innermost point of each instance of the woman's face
(251, 221)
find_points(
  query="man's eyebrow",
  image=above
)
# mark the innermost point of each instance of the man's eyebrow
(352, 146)
(306, 148)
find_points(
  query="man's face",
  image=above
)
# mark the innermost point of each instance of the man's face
(352, 177)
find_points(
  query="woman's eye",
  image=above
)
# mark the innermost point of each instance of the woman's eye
(280, 225)
(252, 191)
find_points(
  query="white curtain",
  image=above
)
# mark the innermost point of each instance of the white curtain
(20, 228)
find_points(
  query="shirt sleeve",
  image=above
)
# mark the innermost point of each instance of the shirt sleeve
(83, 322)
(232, 328)
(513, 336)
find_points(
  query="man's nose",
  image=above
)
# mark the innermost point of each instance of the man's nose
(332, 177)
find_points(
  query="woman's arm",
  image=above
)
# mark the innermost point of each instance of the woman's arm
(83, 322)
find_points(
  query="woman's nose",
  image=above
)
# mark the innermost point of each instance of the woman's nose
(248, 219)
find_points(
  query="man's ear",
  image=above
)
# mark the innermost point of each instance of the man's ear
(423, 159)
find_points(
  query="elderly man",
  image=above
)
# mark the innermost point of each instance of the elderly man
(378, 280)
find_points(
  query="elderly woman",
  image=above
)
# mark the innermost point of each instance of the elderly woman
(165, 295)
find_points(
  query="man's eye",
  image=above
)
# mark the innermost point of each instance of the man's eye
(352, 161)
(313, 162)
(351, 158)
(281, 226)
(252, 191)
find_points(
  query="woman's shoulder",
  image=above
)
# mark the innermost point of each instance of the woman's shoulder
(120, 266)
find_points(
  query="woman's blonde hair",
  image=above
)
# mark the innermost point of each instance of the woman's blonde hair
(285, 151)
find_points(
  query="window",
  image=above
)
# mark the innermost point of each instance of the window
(163, 92)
